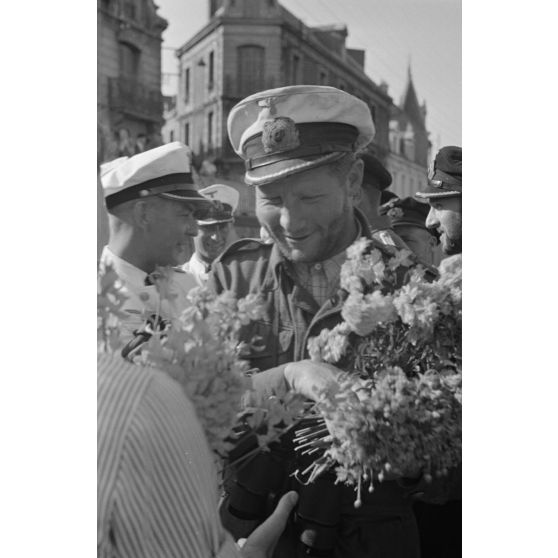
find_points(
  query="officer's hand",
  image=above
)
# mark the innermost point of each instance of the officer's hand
(262, 542)
(311, 378)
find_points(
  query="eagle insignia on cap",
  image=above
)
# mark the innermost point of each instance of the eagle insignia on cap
(280, 134)
(395, 213)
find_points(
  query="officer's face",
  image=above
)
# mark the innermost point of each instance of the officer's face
(310, 215)
(445, 217)
(211, 240)
(419, 240)
(168, 231)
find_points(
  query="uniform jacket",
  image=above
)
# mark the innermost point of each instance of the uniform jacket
(143, 299)
(384, 526)
(382, 230)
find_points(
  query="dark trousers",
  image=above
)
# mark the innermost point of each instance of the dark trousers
(439, 529)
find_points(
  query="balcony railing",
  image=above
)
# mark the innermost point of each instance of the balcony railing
(133, 98)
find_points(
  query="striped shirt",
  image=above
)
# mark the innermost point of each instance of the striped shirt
(156, 481)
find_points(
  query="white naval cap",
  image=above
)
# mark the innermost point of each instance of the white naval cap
(163, 171)
(280, 132)
(225, 201)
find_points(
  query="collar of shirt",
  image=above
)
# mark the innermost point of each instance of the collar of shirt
(127, 272)
(203, 265)
(321, 279)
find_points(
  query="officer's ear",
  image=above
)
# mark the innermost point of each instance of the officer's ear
(354, 181)
(142, 213)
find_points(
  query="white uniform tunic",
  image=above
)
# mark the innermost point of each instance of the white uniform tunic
(144, 300)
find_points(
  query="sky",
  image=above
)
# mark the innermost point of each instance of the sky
(394, 33)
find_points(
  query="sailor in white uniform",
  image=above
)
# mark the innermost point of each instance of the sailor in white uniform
(152, 204)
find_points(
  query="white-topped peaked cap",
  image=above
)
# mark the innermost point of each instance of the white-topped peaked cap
(225, 201)
(163, 171)
(283, 131)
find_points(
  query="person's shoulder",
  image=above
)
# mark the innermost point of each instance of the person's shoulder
(185, 278)
(245, 249)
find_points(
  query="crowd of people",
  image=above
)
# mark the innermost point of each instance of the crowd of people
(316, 191)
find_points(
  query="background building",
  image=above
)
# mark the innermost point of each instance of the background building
(251, 45)
(409, 146)
(248, 46)
(129, 99)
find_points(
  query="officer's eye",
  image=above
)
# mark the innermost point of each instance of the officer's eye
(272, 201)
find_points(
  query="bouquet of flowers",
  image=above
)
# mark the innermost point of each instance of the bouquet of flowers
(199, 348)
(397, 411)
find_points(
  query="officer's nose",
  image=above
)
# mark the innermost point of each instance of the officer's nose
(291, 219)
(432, 220)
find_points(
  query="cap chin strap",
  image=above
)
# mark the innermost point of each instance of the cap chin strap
(299, 153)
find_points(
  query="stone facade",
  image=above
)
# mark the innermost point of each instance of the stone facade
(409, 144)
(129, 100)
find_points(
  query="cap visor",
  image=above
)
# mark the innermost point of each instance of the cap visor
(287, 167)
(433, 192)
(203, 222)
(186, 196)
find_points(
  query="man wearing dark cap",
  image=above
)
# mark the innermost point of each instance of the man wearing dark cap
(215, 229)
(440, 523)
(300, 145)
(443, 193)
(375, 181)
(408, 217)
(151, 201)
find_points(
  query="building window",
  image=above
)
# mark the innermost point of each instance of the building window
(187, 85)
(210, 129)
(250, 75)
(171, 135)
(187, 133)
(211, 72)
(408, 147)
(129, 61)
(323, 78)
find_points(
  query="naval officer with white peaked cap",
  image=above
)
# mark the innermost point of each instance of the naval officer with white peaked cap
(152, 202)
(215, 230)
(300, 145)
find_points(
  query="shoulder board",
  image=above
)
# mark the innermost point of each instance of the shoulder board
(243, 245)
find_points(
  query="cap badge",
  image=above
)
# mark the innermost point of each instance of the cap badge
(395, 213)
(280, 134)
